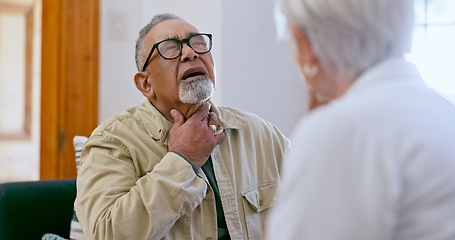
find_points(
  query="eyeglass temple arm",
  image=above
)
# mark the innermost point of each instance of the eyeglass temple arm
(147, 60)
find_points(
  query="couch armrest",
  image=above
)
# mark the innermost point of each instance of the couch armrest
(30, 209)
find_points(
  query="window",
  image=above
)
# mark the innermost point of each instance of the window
(433, 49)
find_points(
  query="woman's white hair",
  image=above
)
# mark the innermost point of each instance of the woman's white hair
(349, 36)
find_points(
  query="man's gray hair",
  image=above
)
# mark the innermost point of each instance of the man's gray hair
(349, 36)
(141, 51)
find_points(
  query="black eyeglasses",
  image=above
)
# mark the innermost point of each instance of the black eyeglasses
(172, 48)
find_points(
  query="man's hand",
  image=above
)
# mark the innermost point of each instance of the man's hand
(194, 138)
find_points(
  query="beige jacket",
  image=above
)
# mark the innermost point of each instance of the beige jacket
(130, 187)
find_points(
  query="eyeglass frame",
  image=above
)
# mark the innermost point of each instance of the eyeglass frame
(187, 40)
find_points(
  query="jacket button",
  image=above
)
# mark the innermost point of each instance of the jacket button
(261, 203)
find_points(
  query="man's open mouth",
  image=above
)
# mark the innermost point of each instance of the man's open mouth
(193, 74)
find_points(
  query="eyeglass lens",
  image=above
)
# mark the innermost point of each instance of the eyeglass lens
(172, 48)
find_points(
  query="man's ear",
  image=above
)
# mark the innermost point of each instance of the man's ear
(305, 54)
(143, 85)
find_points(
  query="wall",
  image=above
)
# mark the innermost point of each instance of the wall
(19, 153)
(253, 69)
(120, 24)
(258, 73)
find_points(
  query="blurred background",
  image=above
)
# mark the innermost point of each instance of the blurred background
(66, 66)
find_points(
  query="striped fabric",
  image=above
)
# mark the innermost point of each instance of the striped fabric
(76, 229)
(78, 141)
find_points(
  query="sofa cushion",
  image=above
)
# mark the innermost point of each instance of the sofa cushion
(30, 209)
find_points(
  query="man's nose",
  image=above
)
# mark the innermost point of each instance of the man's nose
(188, 53)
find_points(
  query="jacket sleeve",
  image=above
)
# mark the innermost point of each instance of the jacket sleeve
(115, 202)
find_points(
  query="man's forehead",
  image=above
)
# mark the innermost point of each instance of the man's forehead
(173, 28)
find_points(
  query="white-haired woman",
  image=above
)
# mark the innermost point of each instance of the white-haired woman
(377, 161)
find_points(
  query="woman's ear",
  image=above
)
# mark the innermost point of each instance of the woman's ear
(143, 85)
(305, 54)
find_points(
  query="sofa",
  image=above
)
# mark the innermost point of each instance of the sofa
(28, 210)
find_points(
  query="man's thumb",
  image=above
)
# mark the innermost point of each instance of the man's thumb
(177, 116)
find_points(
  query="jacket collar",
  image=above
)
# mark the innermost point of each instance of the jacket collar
(158, 126)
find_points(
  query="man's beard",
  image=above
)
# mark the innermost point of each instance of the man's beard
(196, 91)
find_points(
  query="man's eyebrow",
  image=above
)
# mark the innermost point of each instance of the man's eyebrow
(192, 33)
(187, 36)
(170, 37)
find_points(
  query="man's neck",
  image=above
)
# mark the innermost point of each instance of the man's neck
(186, 109)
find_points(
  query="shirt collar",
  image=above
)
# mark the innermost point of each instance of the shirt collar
(391, 70)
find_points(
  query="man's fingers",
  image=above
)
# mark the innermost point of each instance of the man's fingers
(213, 119)
(201, 113)
(220, 137)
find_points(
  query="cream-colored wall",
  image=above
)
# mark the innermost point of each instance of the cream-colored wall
(258, 73)
(253, 69)
(119, 26)
(19, 158)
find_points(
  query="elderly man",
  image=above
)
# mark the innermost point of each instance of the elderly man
(178, 166)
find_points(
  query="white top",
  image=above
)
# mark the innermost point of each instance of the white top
(378, 163)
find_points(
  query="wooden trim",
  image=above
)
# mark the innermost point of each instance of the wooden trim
(15, 7)
(69, 100)
(28, 72)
